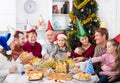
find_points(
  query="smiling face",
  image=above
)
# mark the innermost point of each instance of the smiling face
(50, 35)
(99, 38)
(32, 37)
(61, 41)
(20, 40)
(84, 40)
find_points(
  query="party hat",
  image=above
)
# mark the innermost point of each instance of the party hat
(12, 30)
(117, 38)
(49, 27)
(81, 31)
(103, 25)
(89, 68)
(3, 42)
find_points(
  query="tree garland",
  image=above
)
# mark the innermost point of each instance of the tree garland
(88, 19)
(82, 22)
(80, 5)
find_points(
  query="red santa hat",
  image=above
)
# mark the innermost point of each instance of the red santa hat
(56, 35)
(61, 34)
(49, 27)
(117, 38)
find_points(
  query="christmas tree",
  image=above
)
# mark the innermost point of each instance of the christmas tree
(86, 12)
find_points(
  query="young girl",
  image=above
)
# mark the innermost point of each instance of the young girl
(63, 47)
(111, 62)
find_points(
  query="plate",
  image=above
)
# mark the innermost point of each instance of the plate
(75, 77)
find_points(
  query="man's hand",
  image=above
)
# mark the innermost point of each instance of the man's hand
(78, 59)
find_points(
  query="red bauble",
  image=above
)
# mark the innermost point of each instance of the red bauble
(89, 16)
(90, 25)
(75, 17)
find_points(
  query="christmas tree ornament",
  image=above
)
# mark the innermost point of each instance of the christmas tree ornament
(82, 10)
(49, 26)
(95, 20)
(89, 16)
(81, 31)
(90, 25)
(91, 3)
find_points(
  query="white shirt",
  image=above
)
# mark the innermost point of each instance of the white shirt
(4, 66)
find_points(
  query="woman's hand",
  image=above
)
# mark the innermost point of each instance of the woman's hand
(78, 59)
(12, 69)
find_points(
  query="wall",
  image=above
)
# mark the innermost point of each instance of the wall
(109, 11)
(12, 13)
(7, 14)
(43, 8)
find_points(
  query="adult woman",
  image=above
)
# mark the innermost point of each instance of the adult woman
(88, 50)
(85, 44)
(31, 45)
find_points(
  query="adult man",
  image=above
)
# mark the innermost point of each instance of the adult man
(17, 43)
(101, 37)
(49, 49)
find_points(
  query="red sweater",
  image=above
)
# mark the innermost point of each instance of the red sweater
(36, 49)
(88, 53)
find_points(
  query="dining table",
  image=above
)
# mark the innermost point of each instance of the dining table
(18, 78)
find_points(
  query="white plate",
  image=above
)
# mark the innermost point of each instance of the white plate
(74, 76)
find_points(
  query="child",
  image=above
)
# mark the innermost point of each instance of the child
(79, 50)
(111, 59)
(63, 47)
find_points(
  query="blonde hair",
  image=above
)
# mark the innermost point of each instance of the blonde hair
(66, 43)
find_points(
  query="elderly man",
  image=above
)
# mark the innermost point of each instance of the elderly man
(49, 49)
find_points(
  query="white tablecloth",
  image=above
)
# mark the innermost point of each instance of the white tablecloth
(17, 78)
